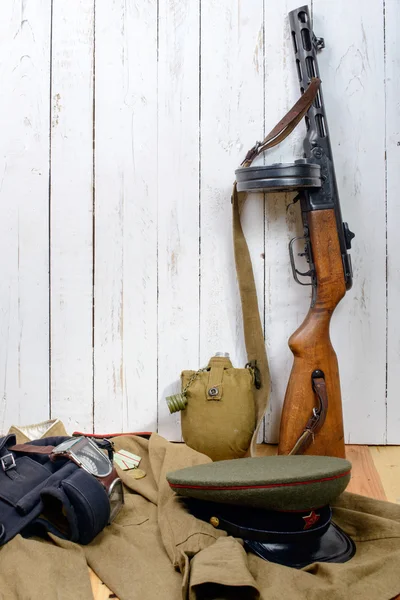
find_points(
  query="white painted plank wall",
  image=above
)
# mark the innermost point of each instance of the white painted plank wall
(231, 121)
(25, 35)
(392, 80)
(71, 214)
(125, 216)
(178, 201)
(123, 275)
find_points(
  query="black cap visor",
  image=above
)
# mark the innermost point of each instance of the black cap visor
(332, 546)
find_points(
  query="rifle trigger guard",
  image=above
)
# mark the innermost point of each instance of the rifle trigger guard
(295, 271)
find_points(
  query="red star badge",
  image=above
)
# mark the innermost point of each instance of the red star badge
(310, 519)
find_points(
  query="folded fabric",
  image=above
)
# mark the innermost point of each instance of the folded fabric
(157, 549)
(38, 431)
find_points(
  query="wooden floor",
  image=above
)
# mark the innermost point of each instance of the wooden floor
(375, 473)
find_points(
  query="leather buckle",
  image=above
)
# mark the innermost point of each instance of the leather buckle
(8, 462)
(313, 422)
(252, 153)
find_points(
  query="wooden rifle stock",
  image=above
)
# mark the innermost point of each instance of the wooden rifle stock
(312, 348)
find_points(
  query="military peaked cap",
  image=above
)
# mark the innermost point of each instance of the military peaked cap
(280, 505)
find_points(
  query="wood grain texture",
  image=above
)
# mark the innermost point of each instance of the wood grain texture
(392, 69)
(24, 211)
(178, 202)
(387, 462)
(365, 479)
(99, 589)
(71, 220)
(125, 286)
(352, 68)
(266, 450)
(313, 350)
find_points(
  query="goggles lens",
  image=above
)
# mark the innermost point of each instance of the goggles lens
(116, 497)
(87, 454)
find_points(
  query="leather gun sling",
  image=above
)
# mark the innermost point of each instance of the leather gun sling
(317, 418)
(253, 331)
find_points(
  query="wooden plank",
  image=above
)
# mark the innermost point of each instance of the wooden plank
(232, 116)
(286, 302)
(71, 214)
(352, 66)
(267, 449)
(365, 479)
(24, 212)
(178, 205)
(392, 21)
(387, 463)
(125, 306)
(99, 589)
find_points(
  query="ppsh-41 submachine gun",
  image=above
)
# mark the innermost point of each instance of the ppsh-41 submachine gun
(312, 420)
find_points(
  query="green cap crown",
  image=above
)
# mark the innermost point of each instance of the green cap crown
(269, 482)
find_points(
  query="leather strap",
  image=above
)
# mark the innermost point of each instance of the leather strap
(253, 331)
(287, 124)
(32, 449)
(12, 472)
(317, 418)
(103, 444)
